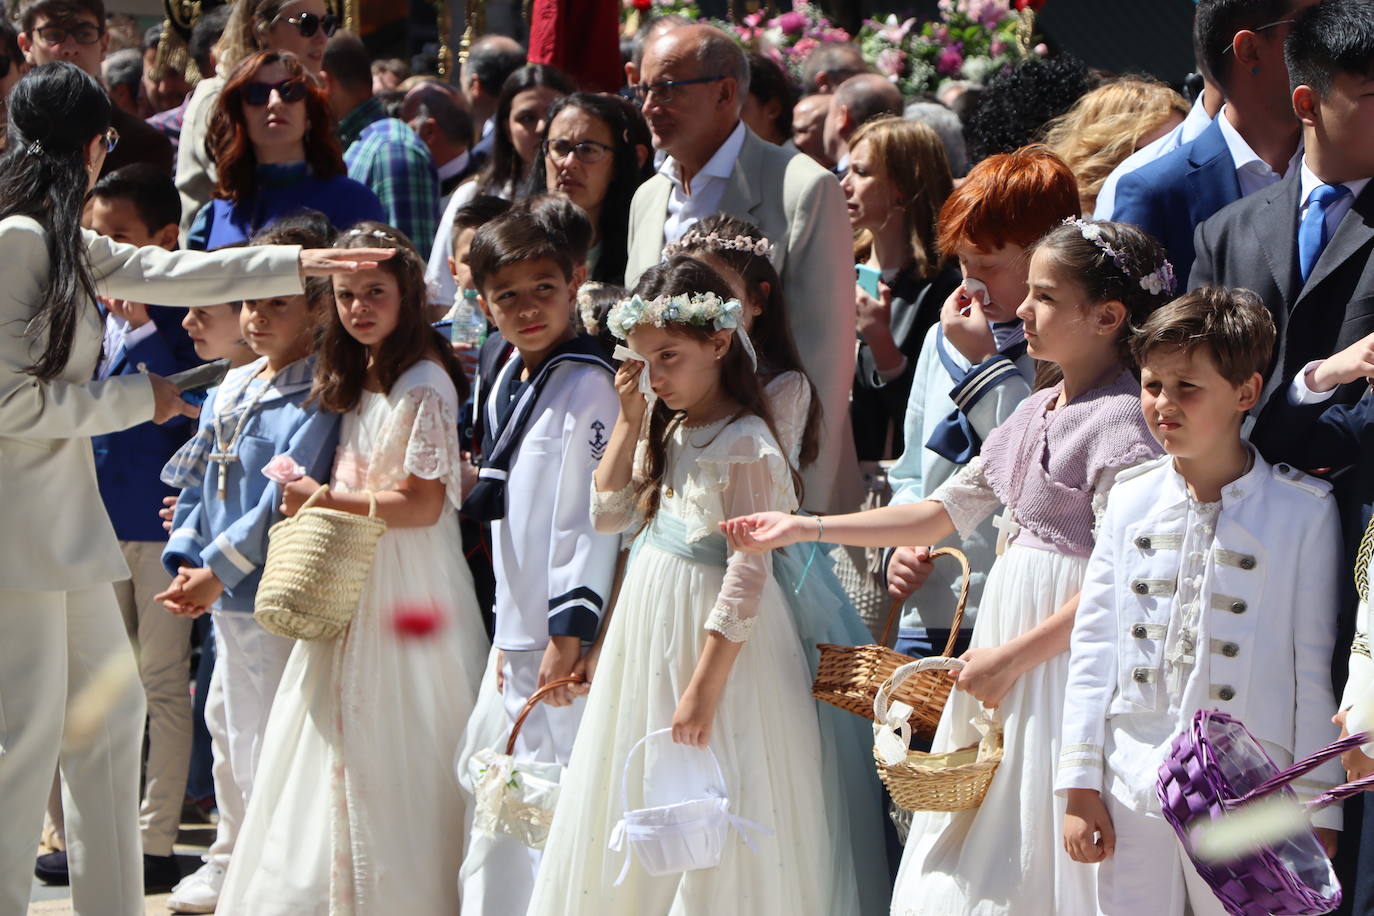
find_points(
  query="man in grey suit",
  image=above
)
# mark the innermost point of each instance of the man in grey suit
(693, 83)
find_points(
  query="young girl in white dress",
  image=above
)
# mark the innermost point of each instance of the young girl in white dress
(355, 810)
(1051, 464)
(701, 639)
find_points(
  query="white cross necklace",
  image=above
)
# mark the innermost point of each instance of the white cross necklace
(225, 452)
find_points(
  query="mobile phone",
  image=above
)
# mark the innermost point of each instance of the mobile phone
(868, 279)
(194, 383)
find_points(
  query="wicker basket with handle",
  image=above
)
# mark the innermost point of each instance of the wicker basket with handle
(317, 563)
(916, 780)
(849, 676)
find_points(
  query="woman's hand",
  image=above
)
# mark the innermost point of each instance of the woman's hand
(908, 570)
(168, 403)
(1088, 833)
(169, 508)
(325, 262)
(875, 315)
(693, 718)
(632, 403)
(295, 493)
(987, 676)
(966, 326)
(765, 531)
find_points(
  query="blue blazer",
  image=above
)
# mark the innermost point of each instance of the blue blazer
(128, 462)
(1169, 197)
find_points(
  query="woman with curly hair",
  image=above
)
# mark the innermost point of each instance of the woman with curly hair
(1110, 123)
(275, 153)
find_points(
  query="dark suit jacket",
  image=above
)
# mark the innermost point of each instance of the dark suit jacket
(1169, 197)
(1253, 244)
(138, 142)
(128, 463)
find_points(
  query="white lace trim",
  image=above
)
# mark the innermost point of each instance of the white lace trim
(744, 441)
(727, 623)
(419, 438)
(615, 511)
(967, 498)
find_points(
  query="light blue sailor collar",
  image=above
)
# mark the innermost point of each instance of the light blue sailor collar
(292, 379)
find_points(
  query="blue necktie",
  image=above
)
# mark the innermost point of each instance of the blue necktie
(1312, 234)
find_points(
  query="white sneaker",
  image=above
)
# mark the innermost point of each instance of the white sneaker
(199, 891)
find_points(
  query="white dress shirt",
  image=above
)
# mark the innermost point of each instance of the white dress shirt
(1253, 173)
(120, 336)
(701, 196)
(1186, 132)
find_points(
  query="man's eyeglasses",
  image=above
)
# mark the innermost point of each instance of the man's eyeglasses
(308, 23)
(1272, 25)
(83, 33)
(258, 94)
(587, 152)
(663, 90)
(111, 139)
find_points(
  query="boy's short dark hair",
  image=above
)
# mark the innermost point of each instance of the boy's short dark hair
(512, 238)
(148, 188)
(57, 11)
(1232, 325)
(1333, 37)
(477, 212)
(1216, 23)
(563, 220)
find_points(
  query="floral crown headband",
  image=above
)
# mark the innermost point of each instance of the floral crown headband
(700, 309)
(1159, 280)
(715, 241)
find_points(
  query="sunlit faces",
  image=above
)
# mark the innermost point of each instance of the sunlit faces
(119, 219)
(1343, 121)
(1060, 323)
(584, 183)
(457, 265)
(278, 125)
(39, 48)
(527, 110)
(867, 191)
(1191, 409)
(282, 35)
(214, 331)
(281, 328)
(531, 303)
(1002, 270)
(369, 304)
(683, 371)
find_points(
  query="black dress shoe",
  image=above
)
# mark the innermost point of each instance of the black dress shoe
(52, 869)
(160, 873)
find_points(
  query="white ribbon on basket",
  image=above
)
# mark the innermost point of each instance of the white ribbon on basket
(892, 718)
(624, 831)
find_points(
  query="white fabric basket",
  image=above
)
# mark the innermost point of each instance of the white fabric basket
(686, 831)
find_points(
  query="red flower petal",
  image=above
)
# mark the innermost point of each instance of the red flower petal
(416, 619)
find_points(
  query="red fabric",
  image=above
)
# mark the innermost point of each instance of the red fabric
(581, 38)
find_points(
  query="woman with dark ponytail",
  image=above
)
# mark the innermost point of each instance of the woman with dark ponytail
(60, 628)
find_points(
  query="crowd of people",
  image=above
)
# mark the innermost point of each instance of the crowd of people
(655, 393)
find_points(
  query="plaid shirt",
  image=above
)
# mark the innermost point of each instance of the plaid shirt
(387, 156)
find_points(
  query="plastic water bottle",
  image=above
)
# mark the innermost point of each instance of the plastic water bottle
(469, 324)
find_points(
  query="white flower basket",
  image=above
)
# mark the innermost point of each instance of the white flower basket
(685, 833)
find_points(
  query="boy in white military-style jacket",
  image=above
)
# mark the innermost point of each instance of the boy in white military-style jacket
(1213, 584)
(545, 420)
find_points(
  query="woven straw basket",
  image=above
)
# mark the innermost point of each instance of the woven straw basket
(952, 781)
(849, 676)
(317, 562)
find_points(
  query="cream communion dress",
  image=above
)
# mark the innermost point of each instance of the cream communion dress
(680, 582)
(355, 811)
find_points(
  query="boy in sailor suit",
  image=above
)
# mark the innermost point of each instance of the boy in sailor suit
(1213, 585)
(546, 420)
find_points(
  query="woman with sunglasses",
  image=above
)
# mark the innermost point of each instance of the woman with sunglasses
(275, 152)
(61, 634)
(301, 27)
(595, 152)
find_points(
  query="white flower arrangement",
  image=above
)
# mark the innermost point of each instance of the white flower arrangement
(714, 241)
(1160, 280)
(698, 309)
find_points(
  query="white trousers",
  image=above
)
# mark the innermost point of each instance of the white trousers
(497, 876)
(1150, 874)
(248, 666)
(52, 645)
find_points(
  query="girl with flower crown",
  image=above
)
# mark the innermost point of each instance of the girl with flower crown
(1051, 464)
(701, 640)
(354, 808)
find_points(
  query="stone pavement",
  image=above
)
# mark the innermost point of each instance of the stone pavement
(192, 842)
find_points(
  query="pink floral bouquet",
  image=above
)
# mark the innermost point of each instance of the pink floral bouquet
(971, 40)
(787, 38)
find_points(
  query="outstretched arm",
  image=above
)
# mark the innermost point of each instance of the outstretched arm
(925, 522)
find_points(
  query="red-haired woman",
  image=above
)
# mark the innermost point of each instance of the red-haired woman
(272, 137)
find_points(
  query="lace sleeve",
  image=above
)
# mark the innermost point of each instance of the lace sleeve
(703, 500)
(968, 498)
(789, 399)
(750, 489)
(616, 511)
(433, 451)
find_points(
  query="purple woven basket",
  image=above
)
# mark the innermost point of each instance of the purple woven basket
(1215, 766)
